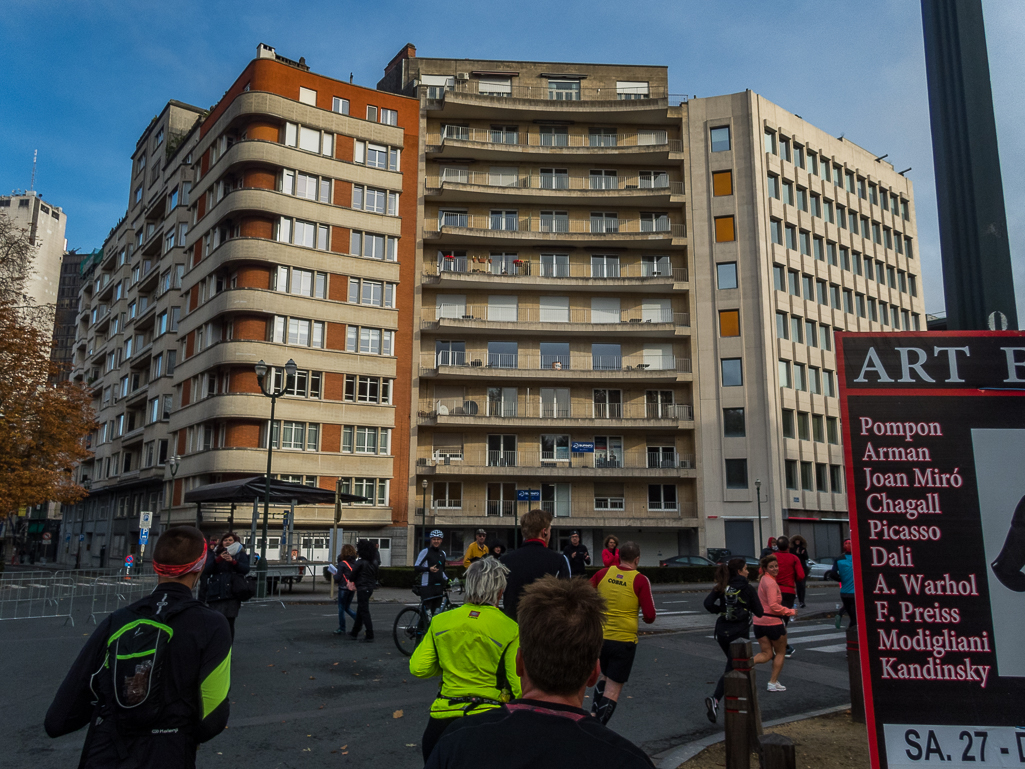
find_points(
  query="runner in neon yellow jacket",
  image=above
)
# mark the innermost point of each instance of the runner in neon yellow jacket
(473, 649)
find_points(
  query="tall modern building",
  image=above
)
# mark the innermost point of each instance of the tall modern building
(65, 324)
(44, 224)
(628, 301)
(279, 225)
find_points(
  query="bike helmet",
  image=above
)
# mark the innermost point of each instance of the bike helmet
(437, 533)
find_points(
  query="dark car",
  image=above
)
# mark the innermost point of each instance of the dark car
(685, 560)
(752, 562)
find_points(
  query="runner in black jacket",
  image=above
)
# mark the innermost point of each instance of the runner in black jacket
(735, 601)
(533, 559)
(195, 686)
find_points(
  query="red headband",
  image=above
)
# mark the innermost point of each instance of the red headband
(175, 570)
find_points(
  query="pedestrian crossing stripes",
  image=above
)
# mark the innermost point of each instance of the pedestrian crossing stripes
(806, 634)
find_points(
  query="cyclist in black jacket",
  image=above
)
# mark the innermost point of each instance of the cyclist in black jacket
(430, 565)
(193, 683)
(735, 601)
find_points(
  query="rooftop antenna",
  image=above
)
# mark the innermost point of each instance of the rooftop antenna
(35, 156)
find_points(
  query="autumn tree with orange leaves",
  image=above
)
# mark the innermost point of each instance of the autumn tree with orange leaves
(43, 423)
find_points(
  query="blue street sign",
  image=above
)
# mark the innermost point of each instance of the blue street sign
(144, 536)
(583, 447)
(528, 495)
(129, 559)
(81, 537)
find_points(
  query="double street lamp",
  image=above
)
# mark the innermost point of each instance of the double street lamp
(273, 393)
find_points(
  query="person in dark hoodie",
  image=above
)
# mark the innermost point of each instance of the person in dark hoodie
(151, 709)
(735, 601)
(364, 576)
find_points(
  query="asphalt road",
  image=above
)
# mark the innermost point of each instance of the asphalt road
(301, 693)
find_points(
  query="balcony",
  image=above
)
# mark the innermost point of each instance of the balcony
(490, 272)
(531, 144)
(535, 463)
(542, 188)
(532, 365)
(496, 230)
(638, 321)
(533, 413)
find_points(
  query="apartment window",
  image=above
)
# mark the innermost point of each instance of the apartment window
(382, 156)
(796, 327)
(733, 423)
(558, 179)
(305, 384)
(905, 211)
(803, 425)
(913, 285)
(309, 139)
(864, 227)
(898, 243)
(836, 478)
(822, 476)
(339, 105)
(845, 258)
(788, 193)
(788, 423)
(736, 473)
(554, 136)
(798, 155)
(375, 490)
(364, 389)
(781, 326)
(506, 220)
(607, 404)
(916, 321)
(813, 163)
(564, 90)
(834, 296)
(841, 217)
(554, 221)
(300, 282)
(770, 141)
(298, 331)
(654, 222)
(719, 137)
(302, 233)
(375, 293)
(776, 231)
(860, 302)
(907, 248)
(808, 286)
(800, 378)
(790, 235)
(773, 186)
(779, 277)
(891, 277)
(827, 208)
(849, 181)
(876, 233)
(372, 113)
(820, 286)
(825, 334)
(722, 183)
(833, 430)
(732, 372)
(447, 495)
(389, 116)
(794, 281)
(729, 323)
(807, 479)
(817, 249)
(658, 180)
(838, 176)
(816, 205)
(784, 148)
(887, 237)
(785, 379)
(374, 246)
(724, 229)
(814, 380)
(609, 496)
(791, 474)
(375, 200)
(726, 274)
(831, 253)
(872, 314)
(662, 497)
(809, 332)
(297, 436)
(369, 341)
(802, 198)
(805, 240)
(856, 259)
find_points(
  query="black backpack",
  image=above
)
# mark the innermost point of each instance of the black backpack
(735, 606)
(130, 686)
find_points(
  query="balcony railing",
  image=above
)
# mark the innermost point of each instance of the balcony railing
(600, 459)
(656, 140)
(550, 92)
(482, 408)
(557, 225)
(484, 313)
(557, 182)
(607, 270)
(531, 361)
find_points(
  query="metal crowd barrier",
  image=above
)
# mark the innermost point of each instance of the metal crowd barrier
(49, 594)
(288, 579)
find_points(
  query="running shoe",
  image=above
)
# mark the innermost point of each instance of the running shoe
(713, 708)
(790, 651)
(776, 687)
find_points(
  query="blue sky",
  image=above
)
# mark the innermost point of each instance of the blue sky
(82, 79)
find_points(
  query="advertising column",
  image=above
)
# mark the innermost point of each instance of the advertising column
(934, 434)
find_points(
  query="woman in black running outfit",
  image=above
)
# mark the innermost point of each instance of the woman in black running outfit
(735, 601)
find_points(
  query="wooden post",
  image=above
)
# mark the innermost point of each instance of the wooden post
(854, 673)
(776, 752)
(740, 653)
(738, 730)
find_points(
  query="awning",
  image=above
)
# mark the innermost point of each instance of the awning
(281, 492)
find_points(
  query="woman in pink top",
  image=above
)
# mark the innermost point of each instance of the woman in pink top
(769, 628)
(610, 555)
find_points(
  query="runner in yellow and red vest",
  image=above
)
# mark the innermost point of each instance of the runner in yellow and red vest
(625, 590)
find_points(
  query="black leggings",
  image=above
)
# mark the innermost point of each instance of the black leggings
(363, 614)
(801, 586)
(850, 607)
(231, 626)
(725, 634)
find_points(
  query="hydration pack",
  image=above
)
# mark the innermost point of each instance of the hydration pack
(130, 686)
(736, 607)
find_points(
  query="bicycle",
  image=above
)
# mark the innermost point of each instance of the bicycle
(411, 624)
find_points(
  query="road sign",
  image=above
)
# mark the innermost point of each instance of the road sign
(145, 519)
(46, 536)
(934, 432)
(81, 537)
(144, 536)
(528, 495)
(129, 559)
(583, 447)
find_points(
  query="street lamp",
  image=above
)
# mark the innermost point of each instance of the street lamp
(273, 394)
(174, 464)
(423, 508)
(758, 491)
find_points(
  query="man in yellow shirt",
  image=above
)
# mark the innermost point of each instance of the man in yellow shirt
(476, 550)
(625, 590)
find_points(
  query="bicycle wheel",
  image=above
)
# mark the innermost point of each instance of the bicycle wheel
(408, 630)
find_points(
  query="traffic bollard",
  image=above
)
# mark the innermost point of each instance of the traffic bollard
(738, 728)
(854, 673)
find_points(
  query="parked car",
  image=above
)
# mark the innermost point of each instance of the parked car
(817, 569)
(686, 560)
(752, 562)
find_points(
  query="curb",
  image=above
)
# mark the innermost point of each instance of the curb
(672, 758)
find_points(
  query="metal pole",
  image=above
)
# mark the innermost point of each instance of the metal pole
(252, 535)
(423, 515)
(261, 567)
(758, 491)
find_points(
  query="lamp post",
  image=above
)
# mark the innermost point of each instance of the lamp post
(758, 491)
(423, 509)
(174, 463)
(273, 394)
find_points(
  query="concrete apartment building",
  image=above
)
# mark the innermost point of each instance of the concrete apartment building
(65, 323)
(45, 225)
(282, 226)
(553, 341)
(628, 302)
